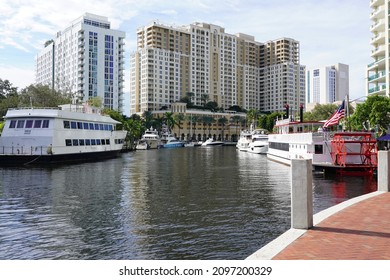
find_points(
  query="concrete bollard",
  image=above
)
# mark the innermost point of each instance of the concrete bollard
(301, 194)
(383, 171)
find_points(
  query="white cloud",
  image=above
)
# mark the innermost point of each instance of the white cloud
(18, 77)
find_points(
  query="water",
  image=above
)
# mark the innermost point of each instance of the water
(187, 203)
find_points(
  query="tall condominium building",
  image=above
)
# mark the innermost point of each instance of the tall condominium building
(87, 60)
(212, 65)
(327, 84)
(378, 78)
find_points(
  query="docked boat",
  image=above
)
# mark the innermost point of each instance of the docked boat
(340, 152)
(68, 133)
(172, 142)
(244, 140)
(259, 142)
(151, 138)
(211, 142)
(142, 145)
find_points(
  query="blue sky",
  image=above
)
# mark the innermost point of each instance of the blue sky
(329, 31)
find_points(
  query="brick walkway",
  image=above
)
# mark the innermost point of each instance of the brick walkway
(359, 232)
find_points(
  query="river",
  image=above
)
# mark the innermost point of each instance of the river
(183, 203)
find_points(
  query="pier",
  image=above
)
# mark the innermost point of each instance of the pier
(357, 229)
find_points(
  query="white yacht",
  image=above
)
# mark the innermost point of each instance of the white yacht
(259, 142)
(211, 142)
(151, 138)
(244, 140)
(68, 133)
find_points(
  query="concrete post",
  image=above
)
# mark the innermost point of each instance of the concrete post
(301, 194)
(383, 171)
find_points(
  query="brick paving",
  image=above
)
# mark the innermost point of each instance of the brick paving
(358, 232)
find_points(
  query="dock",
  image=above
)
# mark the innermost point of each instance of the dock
(357, 229)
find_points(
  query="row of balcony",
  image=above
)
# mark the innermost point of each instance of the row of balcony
(377, 76)
(377, 89)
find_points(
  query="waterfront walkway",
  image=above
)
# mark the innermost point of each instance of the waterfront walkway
(358, 229)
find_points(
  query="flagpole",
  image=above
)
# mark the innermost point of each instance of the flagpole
(347, 111)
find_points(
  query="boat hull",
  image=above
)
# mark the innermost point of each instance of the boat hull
(56, 159)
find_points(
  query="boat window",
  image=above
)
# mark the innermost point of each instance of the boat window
(68, 142)
(107, 141)
(45, 124)
(85, 125)
(106, 127)
(318, 149)
(66, 124)
(90, 126)
(79, 125)
(75, 142)
(97, 141)
(87, 142)
(37, 123)
(93, 142)
(101, 126)
(96, 126)
(29, 123)
(73, 125)
(81, 142)
(20, 124)
(111, 128)
(103, 141)
(12, 124)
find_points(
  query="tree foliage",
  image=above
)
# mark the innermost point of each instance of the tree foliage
(375, 110)
(320, 112)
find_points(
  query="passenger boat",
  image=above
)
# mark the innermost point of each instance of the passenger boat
(142, 145)
(68, 133)
(340, 152)
(212, 142)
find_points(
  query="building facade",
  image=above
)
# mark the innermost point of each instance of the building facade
(378, 78)
(212, 65)
(327, 84)
(86, 60)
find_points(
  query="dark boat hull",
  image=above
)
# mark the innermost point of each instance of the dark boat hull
(30, 160)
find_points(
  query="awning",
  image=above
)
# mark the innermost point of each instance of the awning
(384, 138)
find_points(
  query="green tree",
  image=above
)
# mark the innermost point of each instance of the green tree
(222, 122)
(376, 110)
(236, 120)
(179, 118)
(1, 127)
(148, 118)
(204, 98)
(95, 101)
(320, 112)
(6, 89)
(251, 116)
(169, 120)
(42, 96)
(212, 106)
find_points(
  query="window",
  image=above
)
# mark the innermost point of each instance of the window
(91, 126)
(20, 124)
(93, 142)
(103, 142)
(87, 142)
(98, 142)
(96, 126)
(75, 142)
(73, 125)
(68, 142)
(81, 142)
(66, 124)
(106, 127)
(107, 141)
(101, 127)
(37, 123)
(12, 124)
(79, 125)
(29, 123)
(85, 125)
(45, 124)
(318, 149)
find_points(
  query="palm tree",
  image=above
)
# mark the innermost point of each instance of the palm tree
(204, 98)
(178, 119)
(236, 120)
(148, 118)
(169, 120)
(252, 116)
(222, 121)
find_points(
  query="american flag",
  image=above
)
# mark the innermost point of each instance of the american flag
(338, 115)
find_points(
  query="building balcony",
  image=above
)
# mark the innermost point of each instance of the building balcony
(377, 13)
(374, 3)
(380, 89)
(378, 77)
(379, 51)
(378, 26)
(378, 39)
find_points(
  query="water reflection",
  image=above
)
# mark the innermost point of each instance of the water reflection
(161, 204)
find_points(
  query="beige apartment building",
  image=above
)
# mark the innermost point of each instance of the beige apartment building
(203, 59)
(378, 79)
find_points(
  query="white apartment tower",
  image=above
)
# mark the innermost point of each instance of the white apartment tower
(327, 84)
(213, 65)
(87, 60)
(378, 78)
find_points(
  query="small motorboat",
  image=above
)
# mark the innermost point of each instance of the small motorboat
(212, 142)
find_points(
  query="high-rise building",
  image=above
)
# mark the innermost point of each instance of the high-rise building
(212, 65)
(378, 78)
(327, 84)
(87, 60)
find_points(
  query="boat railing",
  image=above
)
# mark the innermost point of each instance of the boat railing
(26, 150)
(38, 108)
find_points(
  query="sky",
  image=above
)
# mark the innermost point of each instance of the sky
(329, 31)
